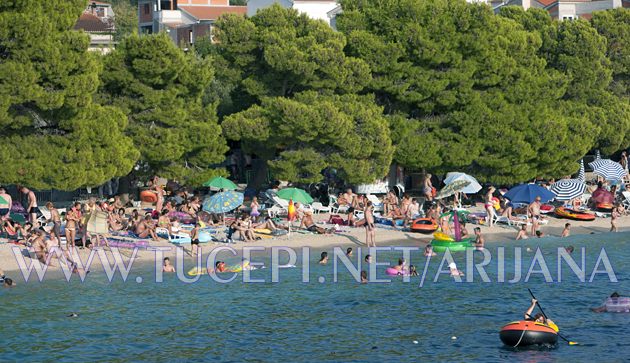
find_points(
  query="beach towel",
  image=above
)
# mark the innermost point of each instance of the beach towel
(97, 223)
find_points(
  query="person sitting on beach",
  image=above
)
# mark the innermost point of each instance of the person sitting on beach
(389, 202)
(428, 251)
(349, 196)
(576, 204)
(323, 258)
(539, 318)
(566, 231)
(479, 240)
(146, 228)
(163, 220)
(5, 204)
(432, 213)
(40, 247)
(463, 230)
(613, 299)
(167, 267)
(310, 226)
(522, 233)
(506, 209)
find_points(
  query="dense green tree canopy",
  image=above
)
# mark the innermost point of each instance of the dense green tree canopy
(614, 25)
(468, 90)
(52, 135)
(160, 88)
(296, 93)
(303, 135)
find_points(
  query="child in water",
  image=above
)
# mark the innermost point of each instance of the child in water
(412, 271)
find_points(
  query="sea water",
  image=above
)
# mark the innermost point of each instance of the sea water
(341, 321)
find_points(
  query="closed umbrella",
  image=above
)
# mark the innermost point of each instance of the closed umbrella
(471, 188)
(220, 182)
(527, 193)
(608, 169)
(567, 189)
(452, 188)
(295, 194)
(581, 173)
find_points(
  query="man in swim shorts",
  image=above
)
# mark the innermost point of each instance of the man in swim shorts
(534, 212)
(32, 208)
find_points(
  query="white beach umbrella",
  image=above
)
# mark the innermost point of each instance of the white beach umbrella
(608, 169)
(567, 189)
(471, 188)
(581, 173)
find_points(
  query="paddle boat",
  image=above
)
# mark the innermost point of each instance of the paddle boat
(573, 214)
(526, 333)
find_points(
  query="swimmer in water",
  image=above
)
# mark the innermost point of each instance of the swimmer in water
(412, 271)
(349, 252)
(364, 277)
(566, 231)
(522, 233)
(612, 299)
(368, 259)
(454, 271)
(5, 281)
(167, 267)
(428, 251)
(324, 258)
(569, 249)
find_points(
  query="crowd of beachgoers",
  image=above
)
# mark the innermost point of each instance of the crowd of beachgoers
(182, 213)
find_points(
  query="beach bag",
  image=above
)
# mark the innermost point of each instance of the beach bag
(97, 223)
(336, 219)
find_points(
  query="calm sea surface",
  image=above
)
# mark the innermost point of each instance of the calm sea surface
(345, 321)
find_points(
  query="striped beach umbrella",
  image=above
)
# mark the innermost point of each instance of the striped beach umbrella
(567, 189)
(608, 169)
(452, 188)
(581, 173)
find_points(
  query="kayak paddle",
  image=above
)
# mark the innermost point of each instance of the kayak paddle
(545, 315)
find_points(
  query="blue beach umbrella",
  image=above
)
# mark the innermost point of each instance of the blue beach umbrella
(527, 193)
(223, 202)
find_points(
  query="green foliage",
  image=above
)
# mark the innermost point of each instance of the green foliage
(506, 98)
(295, 90)
(307, 133)
(161, 88)
(614, 25)
(125, 18)
(51, 133)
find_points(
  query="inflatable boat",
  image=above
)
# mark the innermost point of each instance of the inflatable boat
(573, 214)
(424, 225)
(525, 333)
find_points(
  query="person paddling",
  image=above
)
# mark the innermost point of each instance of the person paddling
(539, 318)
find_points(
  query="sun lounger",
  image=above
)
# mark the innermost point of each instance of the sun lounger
(174, 238)
(376, 203)
(319, 208)
(335, 207)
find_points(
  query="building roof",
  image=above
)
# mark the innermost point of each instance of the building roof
(99, 3)
(93, 24)
(212, 12)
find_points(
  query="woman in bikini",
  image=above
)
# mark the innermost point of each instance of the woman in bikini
(427, 188)
(254, 209)
(489, 205)
(73, 217)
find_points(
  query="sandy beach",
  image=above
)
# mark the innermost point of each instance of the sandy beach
(500, 234)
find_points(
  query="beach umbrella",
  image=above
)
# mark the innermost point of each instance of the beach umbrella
(296, 195)
(471, 188)
(608, 169)
(597, 155)
(220, 182)
(450, 189)
(581, 173)
(527, 193)
(567, 189)
(223, 202)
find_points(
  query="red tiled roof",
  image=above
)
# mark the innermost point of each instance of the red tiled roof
(212, 12)
(92, 24)
(546, 2)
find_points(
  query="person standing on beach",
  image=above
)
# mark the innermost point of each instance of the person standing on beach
(566, 231)
(32, 204)
(613, 219)
(489, 205)
(427, 188)
(534, 212)
(5, 204)
(370, 229)
(55, 218)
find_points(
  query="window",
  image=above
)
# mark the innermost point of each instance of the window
(569, 18)
(190, 36)
(147, 8)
